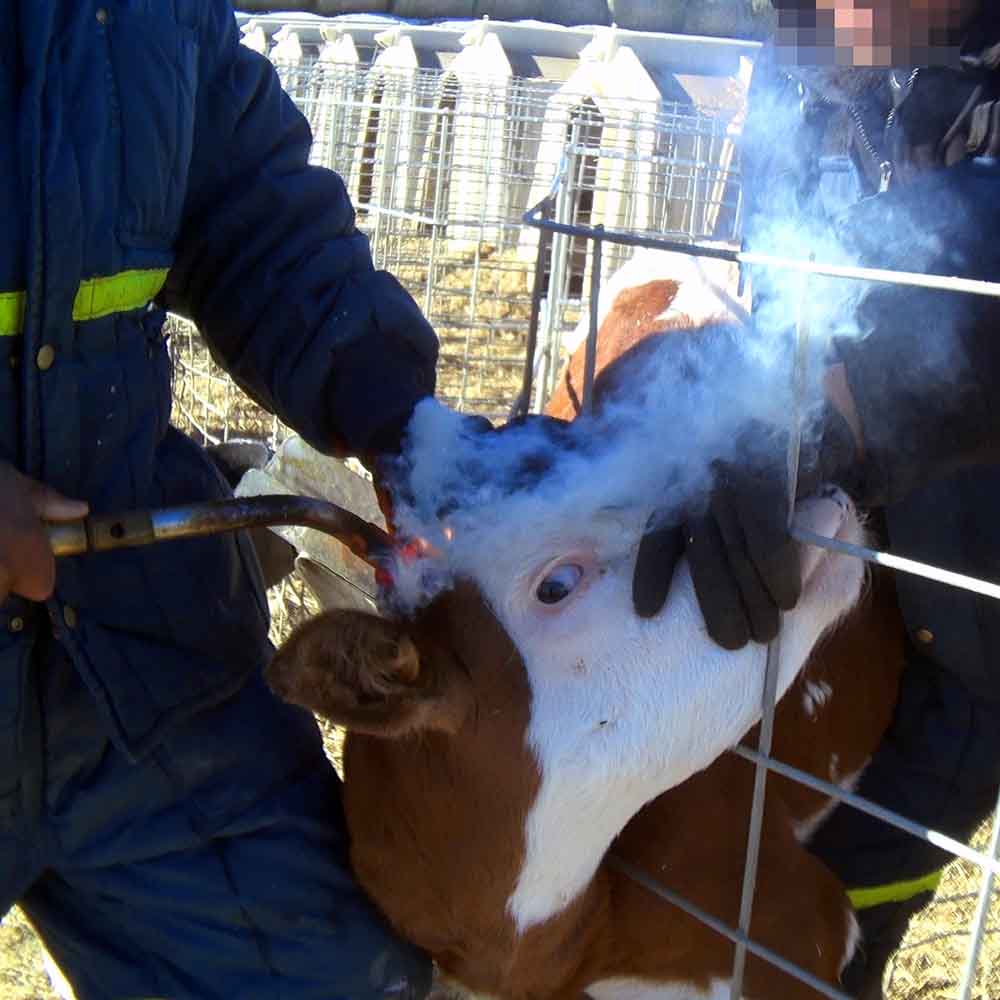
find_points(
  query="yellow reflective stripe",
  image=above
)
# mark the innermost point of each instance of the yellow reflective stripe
(99, 297)
(11, 313)
(96, 297)
(893, 892)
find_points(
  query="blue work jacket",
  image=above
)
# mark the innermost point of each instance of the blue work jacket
(150, 161)
(924, 372)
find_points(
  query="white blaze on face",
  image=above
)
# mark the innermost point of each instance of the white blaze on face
(624, 708)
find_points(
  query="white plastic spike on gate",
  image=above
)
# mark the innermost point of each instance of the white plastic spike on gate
(296, 468)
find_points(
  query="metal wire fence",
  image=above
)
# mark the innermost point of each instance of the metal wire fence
(544, 216)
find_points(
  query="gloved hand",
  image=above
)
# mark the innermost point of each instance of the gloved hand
(743, 562)
(27, 566)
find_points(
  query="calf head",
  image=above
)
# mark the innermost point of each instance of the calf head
(535, 711)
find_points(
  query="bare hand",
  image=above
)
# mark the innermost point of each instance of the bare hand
(27, 566)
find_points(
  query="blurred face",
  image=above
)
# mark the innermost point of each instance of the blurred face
(872, 32)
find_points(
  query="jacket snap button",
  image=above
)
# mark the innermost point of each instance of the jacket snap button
(16, 624)
(924, 636)
(69, 616)
(46, 357)
(102, 15)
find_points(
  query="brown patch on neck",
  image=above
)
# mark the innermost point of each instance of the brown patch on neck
(800, 909)
(632, 318)
(437, 820)
(437, 825)
(862, 661)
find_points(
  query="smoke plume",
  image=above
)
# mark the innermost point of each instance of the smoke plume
(656, 446)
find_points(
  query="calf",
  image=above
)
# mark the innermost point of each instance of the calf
(513, 737)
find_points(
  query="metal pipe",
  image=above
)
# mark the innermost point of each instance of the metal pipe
(105, 532)
(590, 356)
(938, 282)
(771, 671)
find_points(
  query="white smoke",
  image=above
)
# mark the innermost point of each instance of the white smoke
(464, 493)
(656, 447)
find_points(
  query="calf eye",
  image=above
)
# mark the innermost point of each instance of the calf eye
(559, 584)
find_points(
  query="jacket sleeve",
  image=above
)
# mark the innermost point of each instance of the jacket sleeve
(271, 267)
(924, 368)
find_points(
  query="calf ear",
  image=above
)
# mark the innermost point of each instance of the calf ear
(366, 674)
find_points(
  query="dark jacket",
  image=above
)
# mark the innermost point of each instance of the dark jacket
(926, 375)
(155, 158)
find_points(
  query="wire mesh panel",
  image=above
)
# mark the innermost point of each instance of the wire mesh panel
(666, 170)
(442, 163)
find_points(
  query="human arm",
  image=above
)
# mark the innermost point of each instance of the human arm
(923, 373)
(270, 265)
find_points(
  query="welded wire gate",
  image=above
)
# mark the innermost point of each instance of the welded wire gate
(544, 216)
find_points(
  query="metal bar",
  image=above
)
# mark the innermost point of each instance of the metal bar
(129, 529)
(487, 155)
(941, 840)
(939, 282)
(693, 228)
(441, 127)
(756, 822)
(523, 402)
(978, 925)
(559, 263)
(983, 587)
(771, 671)
(590, 357)
(720, 927)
